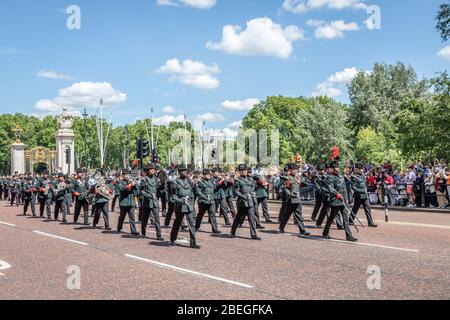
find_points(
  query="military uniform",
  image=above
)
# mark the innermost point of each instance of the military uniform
(183, 197)
(338, 198)
(128, 193)
(61, 201)
(262, 197)
(292, 191)
(15, 189)
(115, 187)
(230, 197)
(80, 190)
(361, 197)
(45, 198)
(319, 194)
(244, 189)
(150, 204)
(205, 193)
(30, 192)
(220, 197)
(100, 205)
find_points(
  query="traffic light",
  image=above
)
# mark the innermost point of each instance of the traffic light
(155, 157)
(139, 149)
(145, 148)
(68, 154)
(213, 153)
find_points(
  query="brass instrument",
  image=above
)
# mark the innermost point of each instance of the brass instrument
(100, 186)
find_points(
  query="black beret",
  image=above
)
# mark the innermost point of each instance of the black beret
(321, 166)
(206, 171)
(359, 166)
(293, 166)
(81, 170)
(149, 166)
(60, 175)
(334, 164)
(126, 171)
(182, 168)
(242, 167)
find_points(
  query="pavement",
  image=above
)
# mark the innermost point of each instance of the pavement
(41, 259)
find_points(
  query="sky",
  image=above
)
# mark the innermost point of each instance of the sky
(210, 60)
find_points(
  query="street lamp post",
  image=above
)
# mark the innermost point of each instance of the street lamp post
(85, 115)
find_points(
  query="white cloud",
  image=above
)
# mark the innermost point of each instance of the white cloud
(261, 37)
(226, 134)
(199, 4)
(167, 119)
(333, 29)
(335, 83)
(192, 73)
(240, 105)
(302, 6)
(52, 75)
(445, 53)
(169, 109)
(235, 125)
(210, 117)
(82, 95)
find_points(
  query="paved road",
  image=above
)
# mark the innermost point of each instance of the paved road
(412, 252)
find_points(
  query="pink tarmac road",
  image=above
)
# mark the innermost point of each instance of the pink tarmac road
(412, 253)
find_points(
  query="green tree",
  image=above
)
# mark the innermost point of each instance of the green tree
(443, 21)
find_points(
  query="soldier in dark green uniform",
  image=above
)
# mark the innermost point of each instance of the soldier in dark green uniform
(15, 189)
(128, 192)
(116, 191)
(230, 196)
(100, 205)
(283, 177)
(80, 190)
(262, 197)
(168, 189)
(44, 196)
(338, 198)
(291, 191)
(244, 188)
(205, 193)
(150, 203)
(319, 190)
(359, 185)
(61, 198)
(183, 197)
(220, 195)
(30, 192)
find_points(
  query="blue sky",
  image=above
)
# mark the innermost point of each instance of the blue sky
(122, 44)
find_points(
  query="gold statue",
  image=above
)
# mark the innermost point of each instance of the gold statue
(17, 133)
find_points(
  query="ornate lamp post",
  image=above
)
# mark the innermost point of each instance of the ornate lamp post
(85, 115)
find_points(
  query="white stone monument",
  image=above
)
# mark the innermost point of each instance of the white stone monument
(65, 139)
(17, 154)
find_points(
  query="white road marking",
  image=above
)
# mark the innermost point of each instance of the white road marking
(8, 224)
(3, 266)
(60, 238)
(436, 226)
(374, 245)
(199, 274)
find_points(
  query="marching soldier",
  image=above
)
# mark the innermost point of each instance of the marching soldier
(1, 187)
(361, 197)
(100, 206)
(220, 196)
(80, 190)
(230, 196)
(291, 191)
(44, 186)
(205, 193)
(319, 191)
(30, 191)
(162, 195)
(128, 191)
(283, 177)
(15, 189)
(244, 188)
(115, 185)
(338, 198)
(261, 197)
(150, 204)
(61, 191)
(183, 197)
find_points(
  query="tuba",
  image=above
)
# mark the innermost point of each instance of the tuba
(100, 186)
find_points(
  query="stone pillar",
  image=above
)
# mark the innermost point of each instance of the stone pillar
(65, 138)
(17, 158)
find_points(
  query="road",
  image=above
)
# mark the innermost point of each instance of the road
(411, 253)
